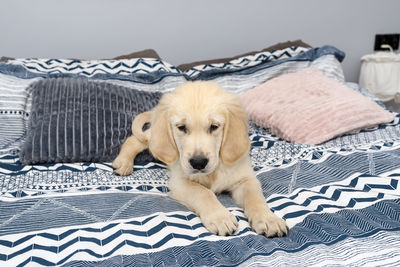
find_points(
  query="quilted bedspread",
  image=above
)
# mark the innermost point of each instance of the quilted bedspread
(340, 199)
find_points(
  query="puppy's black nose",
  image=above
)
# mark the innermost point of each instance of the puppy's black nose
(198, 162)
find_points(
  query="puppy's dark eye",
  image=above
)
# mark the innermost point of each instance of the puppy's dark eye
(182, 128)
(213, 127)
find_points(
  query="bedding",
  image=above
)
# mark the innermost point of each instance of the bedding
(78, 120)
(307, 107)
(145, 53)
(278, 46)
(242, 74)
(340, 198)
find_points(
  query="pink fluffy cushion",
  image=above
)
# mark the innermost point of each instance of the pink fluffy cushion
(309, 108)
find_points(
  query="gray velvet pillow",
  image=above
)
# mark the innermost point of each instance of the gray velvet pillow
(78, 120)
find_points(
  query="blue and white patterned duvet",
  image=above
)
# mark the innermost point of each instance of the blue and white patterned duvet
(341, 199)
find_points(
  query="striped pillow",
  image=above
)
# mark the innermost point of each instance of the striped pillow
(78, 120)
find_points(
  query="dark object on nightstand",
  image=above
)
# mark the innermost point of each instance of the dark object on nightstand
(388, 39)
(392, 105)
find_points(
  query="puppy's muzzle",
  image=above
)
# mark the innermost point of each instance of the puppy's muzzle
(198, 162)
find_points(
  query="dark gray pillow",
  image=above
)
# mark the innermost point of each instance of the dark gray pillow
(78, 120)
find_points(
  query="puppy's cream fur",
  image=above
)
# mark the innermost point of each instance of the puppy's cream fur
(199, 119)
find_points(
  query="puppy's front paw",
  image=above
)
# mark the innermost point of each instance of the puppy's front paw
(219, 222)
(268, 224)
(122, 166)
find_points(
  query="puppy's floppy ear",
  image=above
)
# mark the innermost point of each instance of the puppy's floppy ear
(235, 142)
(162, 144)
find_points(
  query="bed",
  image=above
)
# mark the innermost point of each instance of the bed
(340, 198)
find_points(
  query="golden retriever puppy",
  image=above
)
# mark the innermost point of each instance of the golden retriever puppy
(201, 132)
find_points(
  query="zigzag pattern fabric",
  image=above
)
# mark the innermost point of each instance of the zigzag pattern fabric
(246, 62)
(341, 199)
(92, 67)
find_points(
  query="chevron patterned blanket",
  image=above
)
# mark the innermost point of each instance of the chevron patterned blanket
(340, 199)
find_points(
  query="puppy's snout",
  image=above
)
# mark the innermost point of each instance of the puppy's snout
(198, 162)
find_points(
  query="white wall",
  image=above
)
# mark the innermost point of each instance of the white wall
(183, 30)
